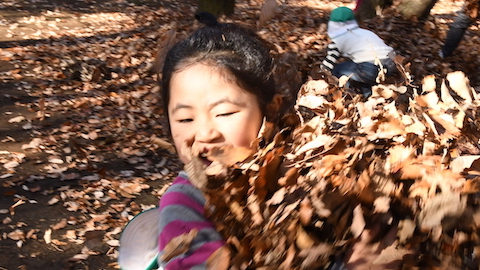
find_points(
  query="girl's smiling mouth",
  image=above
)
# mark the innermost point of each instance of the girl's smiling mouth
(204, 158)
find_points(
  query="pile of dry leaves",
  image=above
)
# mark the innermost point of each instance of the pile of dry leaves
(407, 158)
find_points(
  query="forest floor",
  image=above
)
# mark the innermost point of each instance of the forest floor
(81, 138)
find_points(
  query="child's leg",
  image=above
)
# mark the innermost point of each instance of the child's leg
(360, 88)
(365, 72)
(362, 75)
(346, 68)
(455, 33)
(366, 75)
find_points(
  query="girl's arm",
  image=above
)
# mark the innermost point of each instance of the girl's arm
(333, 54)
(182, 210)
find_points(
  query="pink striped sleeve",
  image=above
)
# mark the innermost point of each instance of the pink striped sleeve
(181, 210)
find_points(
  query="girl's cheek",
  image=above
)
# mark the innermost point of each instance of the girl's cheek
(177, 141)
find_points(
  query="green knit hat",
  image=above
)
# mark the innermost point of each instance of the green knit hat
(342, 14)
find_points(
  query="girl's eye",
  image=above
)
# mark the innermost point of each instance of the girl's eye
(225, 114)
(186, 120)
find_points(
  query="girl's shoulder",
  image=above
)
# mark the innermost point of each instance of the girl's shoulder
(181, 179)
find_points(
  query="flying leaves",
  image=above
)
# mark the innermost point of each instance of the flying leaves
(267, 11)
(352, 166)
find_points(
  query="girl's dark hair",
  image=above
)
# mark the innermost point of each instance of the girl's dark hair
(234, 49)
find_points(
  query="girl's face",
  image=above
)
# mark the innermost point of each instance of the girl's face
(208, 110)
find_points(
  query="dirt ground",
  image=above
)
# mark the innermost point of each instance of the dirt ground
(23, 244)
(80, 157)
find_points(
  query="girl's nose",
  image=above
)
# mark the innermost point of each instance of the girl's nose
(207, 133)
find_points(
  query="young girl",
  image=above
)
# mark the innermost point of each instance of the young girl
(216, 85)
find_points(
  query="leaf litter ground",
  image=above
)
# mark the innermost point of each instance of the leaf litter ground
(82, 142)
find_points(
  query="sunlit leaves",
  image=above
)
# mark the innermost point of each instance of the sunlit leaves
(351, 166)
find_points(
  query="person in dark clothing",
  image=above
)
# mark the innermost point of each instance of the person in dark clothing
(459, 26)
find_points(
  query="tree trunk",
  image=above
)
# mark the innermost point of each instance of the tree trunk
(419, 9)
(367, 9)
(217, 7)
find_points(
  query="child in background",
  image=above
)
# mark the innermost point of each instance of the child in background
(465, 18)
(367, 53)
(216, 85)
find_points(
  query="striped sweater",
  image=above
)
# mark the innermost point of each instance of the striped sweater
(181, 210)
(333, 54)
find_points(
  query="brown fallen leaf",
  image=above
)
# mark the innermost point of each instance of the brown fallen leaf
(268, 10)
(163, 144)
(181, 244)
(219, 260)
(16, 235)
(60, 225)
(164, 44)
(94, 239)
(390, 254)
(229, 155)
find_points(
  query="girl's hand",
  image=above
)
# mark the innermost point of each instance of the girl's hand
(219, 260)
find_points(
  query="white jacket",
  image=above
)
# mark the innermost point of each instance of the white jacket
(360, 45)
